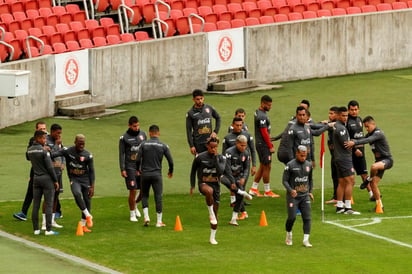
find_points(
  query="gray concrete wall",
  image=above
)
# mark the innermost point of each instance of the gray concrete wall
(40, 101)
(149, 70)
(329, 46)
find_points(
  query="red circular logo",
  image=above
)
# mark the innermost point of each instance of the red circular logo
(71, 71)
(225, 48)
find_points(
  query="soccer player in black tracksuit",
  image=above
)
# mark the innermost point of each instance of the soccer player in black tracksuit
(332, 118)
(297, 179)
(199, 123)
(211, 169)
(80, 169)
(150, 156)
(383, 157)
(22, 215)
(300, 133)
(128, 146)
(355, 129)
(344, 165)
(238, 159)
(230, 140)
(44, 181)
(53, 143)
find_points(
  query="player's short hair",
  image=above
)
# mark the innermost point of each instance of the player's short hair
(300, 108)
(241, 139)
(39, 133)
(368, 119)
(240, 110)
(237, 119)
(212, 140)
(266, 99)
(55, 127)
(334, 108)
(133, 120)
(197, 92)
(79, 137)
(306, 102)
(353, 103)
(342, 109)
(154, 128)
(40, 123)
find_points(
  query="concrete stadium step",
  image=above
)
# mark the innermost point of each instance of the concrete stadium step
(72, 100)
(225, 76)
(233, 85)
(82, 109)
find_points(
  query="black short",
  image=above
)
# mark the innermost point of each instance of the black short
(132, 181)
(344, 168)
(265, 157)
(388, 162)
(216, 190)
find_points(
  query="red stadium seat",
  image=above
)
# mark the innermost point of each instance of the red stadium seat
(191, 4)
(384, 7)
(252, 21)
(142, 35)
(182, 25)
(327, 5)
(113, 39)
(399, 5)
(59, 48)
(280, 18)
(204, 10)
(73, 46)
(127, 37)
(343, 4)
(36, 32)
(45, 4)
(324, 13)
(265, 19)
(208, 3)
(338, 11)
(237, 23)
(86, 43)
(353, 10)
(358, 3)
(368, 8)
(309, 14)
(222, 25)
(148, 11)
(293, 16)
(188, 11)
(99, 41)
(209, 26)
(374, 2)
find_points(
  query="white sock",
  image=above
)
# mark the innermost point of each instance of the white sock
(289, 233)
(211, 212)
(212, 234)
(43, 218)
(348, 204)
(83, 222)
(146, 212)
(255, 185)
(232, 198)
(267, 187)
(132, 213)
(159, 217)
(86, 212)
(234, 215)
(305, 237)
(339, 204)
(53, 214)
(370, 194)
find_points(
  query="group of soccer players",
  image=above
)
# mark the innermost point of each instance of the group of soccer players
(296, 150)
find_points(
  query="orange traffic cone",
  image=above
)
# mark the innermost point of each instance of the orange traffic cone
(263, 221)
(79, 231)
(379, 208)
(178, 225)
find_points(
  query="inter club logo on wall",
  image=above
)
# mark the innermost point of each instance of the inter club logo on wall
(225, 48)
(71, 71)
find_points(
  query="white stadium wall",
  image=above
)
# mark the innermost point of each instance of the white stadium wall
(174, 66)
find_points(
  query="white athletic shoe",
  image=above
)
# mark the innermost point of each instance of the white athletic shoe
(133, 219)
(246, 195)
(160, 224)
(51, 233)
(233, 222)
(350, 211)
(56, 225)
(213, 241)
(37, 232)
(43, 226)
(288, 240)
(307, 244)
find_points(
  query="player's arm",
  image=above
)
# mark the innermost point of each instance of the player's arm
(122, 161)
(169, 159)
(266, 138)
(193, 174)
(189, 128)
(216, 115)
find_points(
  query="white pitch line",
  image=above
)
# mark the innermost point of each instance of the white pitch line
(59, 253)
(374, 221)
(371, 234)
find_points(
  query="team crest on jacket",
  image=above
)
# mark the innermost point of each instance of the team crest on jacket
(243, 158)
(81, 158)
(290, 204)
(207, 110)
(141, 137)
(307, 169)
